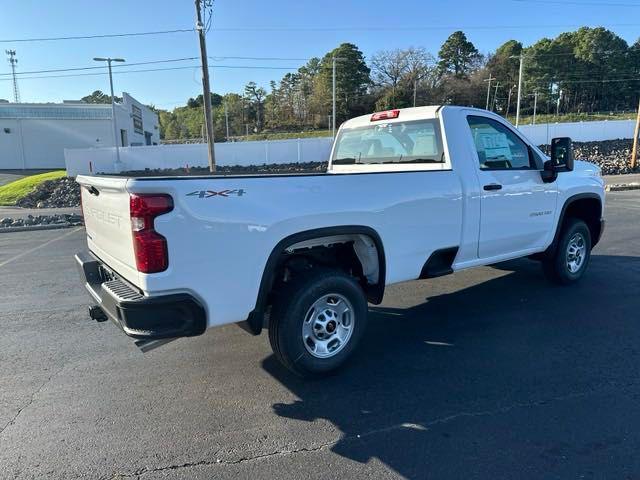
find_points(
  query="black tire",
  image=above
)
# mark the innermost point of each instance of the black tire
(291, 305)
(556, 267)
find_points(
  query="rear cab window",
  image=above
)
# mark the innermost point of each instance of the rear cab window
(391, 145)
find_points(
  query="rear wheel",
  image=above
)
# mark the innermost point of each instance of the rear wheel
(317, 321)
(572, 254)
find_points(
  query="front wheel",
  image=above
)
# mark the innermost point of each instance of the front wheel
(571, 257)
(317, 321)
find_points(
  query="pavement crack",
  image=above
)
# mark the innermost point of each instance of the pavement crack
(32, 399)
(146, 470)
(353, 437)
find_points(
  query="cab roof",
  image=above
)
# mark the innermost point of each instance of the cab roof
(405, 114)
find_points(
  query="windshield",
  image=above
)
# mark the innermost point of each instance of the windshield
(398, 142)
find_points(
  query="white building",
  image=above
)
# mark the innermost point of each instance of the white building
(34, 135)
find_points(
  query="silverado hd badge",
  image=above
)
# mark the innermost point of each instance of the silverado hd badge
(222, 193)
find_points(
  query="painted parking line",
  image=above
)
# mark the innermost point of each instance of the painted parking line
(48, 242)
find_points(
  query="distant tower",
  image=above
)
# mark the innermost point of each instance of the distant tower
(11, 54)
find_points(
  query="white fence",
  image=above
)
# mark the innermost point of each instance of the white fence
(542, 134)
(102, 160)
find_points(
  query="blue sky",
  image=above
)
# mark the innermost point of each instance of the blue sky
(307, 32)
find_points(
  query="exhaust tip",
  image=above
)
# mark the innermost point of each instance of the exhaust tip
(96, 313)
(148, 345)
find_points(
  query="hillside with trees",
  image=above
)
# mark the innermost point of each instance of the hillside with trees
(588, 71)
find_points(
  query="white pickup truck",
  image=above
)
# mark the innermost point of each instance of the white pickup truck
(408, 194)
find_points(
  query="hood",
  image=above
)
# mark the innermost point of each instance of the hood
(587, 169)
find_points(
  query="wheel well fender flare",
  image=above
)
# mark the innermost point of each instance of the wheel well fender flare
(268, 275)
(561, 218)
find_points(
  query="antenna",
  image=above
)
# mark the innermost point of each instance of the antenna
(11, 54)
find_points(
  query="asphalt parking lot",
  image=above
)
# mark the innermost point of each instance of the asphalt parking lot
(489, 373)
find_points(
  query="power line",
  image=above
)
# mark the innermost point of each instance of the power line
(582, 4)
(218, 58)
(606, 80)
(87, 37)
(118, 72)
(320, 29)
(570, 54)
(72, 69)
(421, 28)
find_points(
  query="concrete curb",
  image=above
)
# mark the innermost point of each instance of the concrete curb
(621, 187)
(31, 228)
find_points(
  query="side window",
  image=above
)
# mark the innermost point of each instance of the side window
(497, 146)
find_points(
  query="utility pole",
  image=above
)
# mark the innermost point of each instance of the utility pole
(495, 98)
(415, 90)
(333, 100)
(488, 90)
(520, 70)
(109, 60)
(226, 119)
(634, 152)
(535, 105)
(509, 101)
(11, 54)
(206, 90)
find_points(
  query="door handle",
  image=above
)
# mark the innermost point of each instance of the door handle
(493, 186)
(92, 190)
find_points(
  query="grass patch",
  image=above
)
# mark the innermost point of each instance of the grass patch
(12, 192)
(284, 135)
(572, 117)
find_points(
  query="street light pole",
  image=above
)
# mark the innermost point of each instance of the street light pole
(333, 94)
(226, 119)
(519, 89)
(113, 104)
(488, 90)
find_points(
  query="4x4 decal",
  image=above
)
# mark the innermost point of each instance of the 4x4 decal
(222, 193)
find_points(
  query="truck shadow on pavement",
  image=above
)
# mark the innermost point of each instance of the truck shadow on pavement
(459, 384)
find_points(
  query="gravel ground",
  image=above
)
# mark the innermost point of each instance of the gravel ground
(69, 219)
(613, 156)
(63, 192)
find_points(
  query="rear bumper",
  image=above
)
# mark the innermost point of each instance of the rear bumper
(139, 316)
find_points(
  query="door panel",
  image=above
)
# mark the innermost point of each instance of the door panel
(516, 217)
(516, 207)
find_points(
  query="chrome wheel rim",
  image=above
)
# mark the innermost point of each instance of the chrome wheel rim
(328, 325)
(576, 251)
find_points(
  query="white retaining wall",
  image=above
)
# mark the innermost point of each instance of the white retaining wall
(542, 134)
(102, 160)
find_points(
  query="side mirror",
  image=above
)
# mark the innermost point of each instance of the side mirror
(561, 155)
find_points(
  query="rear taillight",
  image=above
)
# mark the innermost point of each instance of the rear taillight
(149, 246)
(385, 115)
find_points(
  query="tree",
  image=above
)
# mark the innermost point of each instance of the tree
(504, 64)
(397, 74)
(458, 55)
(216, 101)
(582, 71)
(255, 95)
(352, 81)
(99, 97)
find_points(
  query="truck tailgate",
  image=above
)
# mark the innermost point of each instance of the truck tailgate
(105, 203)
